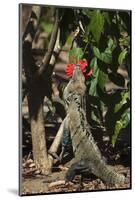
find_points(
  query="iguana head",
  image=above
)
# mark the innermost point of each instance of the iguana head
(78, 80)
(77, 74)
(76, 83)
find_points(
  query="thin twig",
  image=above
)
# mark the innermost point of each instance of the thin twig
(32, 25)
(51, 45)
(54, 55)
(28, 37)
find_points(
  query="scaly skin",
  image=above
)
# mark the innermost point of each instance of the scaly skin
(87, 155)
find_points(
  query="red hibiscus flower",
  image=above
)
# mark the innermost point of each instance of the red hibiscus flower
(70, 69)
(83, 64)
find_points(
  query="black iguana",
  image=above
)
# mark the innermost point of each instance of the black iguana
(87, 155)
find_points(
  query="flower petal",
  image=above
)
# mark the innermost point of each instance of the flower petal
(89, 73)
(69, 69)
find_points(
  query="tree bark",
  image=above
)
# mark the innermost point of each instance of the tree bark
(35, 101)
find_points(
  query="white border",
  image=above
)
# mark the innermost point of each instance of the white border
(9, 97)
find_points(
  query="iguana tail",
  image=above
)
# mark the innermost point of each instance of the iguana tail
(98, 168)
(107, 173)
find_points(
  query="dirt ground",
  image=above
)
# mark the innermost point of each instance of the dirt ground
(35, 184)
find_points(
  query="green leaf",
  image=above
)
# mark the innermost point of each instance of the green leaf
(111, 45)
(75, 53)
(120, 124)
(102, 79)
(115, 55)
(47, 27)
(87, 12)
(96, 24)
(93, 64)
(97, 52)
(94, 81)
(92, 90)
(94, 117)
(69, 40)
(122, 56)
(105, 57)
(125, 96)
(107, 18)
(118, 127)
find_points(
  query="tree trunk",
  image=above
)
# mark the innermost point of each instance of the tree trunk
(39, 85)
(35, 101)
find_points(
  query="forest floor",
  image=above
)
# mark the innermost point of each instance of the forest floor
(33, 182)
(36, 184)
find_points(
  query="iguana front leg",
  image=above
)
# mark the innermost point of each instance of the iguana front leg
(79, 167)
(66, 141)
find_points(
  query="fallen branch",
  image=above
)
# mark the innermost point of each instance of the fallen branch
(56, 183)
(56, 143)
(57, 140)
